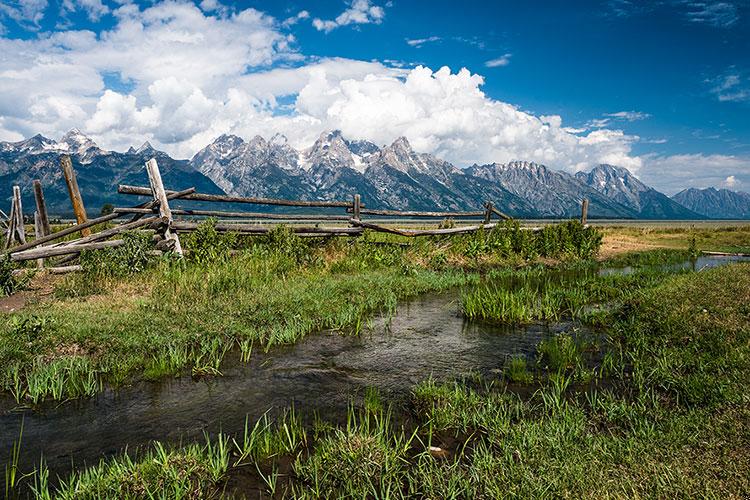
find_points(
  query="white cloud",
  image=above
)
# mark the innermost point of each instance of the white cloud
(292, 20)
(630, 116)
(418, 42)
(359, 12)
(500, 61)
(28, 13)
(188, 76)
(94, 9)
(730, 87)
(719, 14)
(730, 182)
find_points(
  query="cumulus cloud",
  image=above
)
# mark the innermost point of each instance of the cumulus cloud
(730, 182)
(504, 60)
(292, 20)
(359, 12)
(188, 75)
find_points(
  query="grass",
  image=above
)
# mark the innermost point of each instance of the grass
(132, 316)
(666, 415)
(545, 294)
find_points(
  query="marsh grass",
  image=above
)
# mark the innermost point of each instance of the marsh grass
(671, 422)
(131, 315)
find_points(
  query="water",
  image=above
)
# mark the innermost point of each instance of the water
(323, 373)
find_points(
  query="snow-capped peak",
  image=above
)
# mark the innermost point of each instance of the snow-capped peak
(77, 142)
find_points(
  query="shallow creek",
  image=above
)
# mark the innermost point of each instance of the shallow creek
(424, 337)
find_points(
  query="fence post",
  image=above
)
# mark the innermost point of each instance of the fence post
(356, 207)
(160, 196)
(20, 231)
(487, 212)
(38, 233)
(10, 232)
(75, 194)
(584, 210)
(41, 208)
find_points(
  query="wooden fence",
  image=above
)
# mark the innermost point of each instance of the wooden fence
(166, 224)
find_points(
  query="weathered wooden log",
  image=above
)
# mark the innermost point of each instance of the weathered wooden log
(10, 233)
(150, 205)
(143, 191)
(64, 269)
(88, 224)
(357, 207)
(240, 215)
(487, 212)
(118, 229)
(500, 214)
(41, 207)
(75, 194)
(417, 213)
(19, 226)
(64, 232)
(38, 233)
(725, 254)
(160, 195)
(182, 226)
(45, 252)
(421, 232)
(584, 210)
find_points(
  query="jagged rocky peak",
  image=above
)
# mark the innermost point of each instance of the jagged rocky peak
(77, 142)
(146, 147)
(401, 156)
(330, 151)
(36, 144)
(610, 177)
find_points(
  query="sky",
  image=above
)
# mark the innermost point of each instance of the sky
(661, 88)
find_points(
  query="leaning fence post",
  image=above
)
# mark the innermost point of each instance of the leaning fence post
(20, 232)
(160, 196)
(38, 233)
(10, 232)
(356, 206)
(487, 212)
(584, 210)
(41, 208)
(74, 192)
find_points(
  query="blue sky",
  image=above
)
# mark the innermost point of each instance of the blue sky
(662, 88)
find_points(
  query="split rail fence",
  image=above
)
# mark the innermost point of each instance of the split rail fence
(156, 216)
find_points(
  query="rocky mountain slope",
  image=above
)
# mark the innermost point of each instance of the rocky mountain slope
(716, 203)
(334, 167)
(98, 172)
(618, 184)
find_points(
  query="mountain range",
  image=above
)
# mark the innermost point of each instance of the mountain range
(390, 176)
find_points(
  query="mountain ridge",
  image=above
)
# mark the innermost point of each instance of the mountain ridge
(389, 176)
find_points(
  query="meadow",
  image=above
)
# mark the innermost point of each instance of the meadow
(654, 404)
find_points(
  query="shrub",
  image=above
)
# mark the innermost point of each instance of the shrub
(129, 258)
(207, 245)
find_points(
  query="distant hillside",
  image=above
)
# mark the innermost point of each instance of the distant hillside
(716, 203)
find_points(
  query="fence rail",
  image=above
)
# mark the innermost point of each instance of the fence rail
(156, 216)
